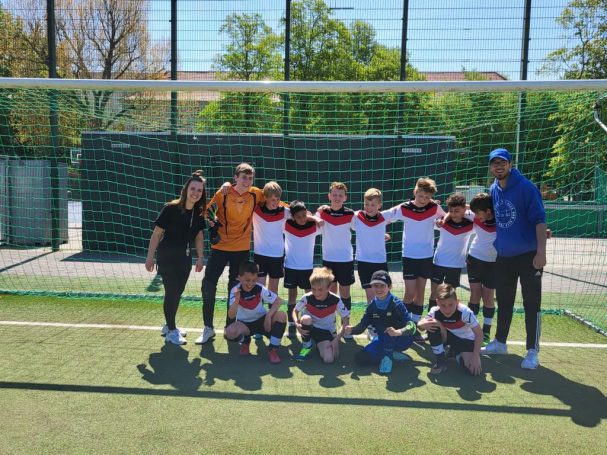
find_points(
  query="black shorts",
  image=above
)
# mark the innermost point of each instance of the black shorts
(417, 268)
(366, 271)
(319, 335)
(297, 278)
(269, 266)
(459, 344)
(449, 275)
(343, 271)
(482, 272)
(257, 326)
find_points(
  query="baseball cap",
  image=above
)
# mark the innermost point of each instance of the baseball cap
(500, 153)
(381, 276)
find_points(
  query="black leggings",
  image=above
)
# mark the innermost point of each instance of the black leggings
(509, 270)
(174, 279)
(218, 260)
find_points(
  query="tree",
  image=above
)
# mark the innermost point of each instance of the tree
(586, 22)
(252, 53)
(105, 39)
(253, 49)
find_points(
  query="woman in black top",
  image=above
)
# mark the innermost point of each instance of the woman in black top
(179, 222)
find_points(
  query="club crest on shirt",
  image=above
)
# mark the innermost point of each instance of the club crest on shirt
(505, 213)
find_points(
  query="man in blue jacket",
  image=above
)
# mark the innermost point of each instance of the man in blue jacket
(521, 253)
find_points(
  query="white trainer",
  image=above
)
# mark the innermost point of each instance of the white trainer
(206, 335)
(175, 337)
(165, 330)
(495, 347)
(531, 360)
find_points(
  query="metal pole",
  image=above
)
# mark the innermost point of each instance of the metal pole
(287, 70)
(403, 64)
(522, 98)
(173, 146)
(54, 123)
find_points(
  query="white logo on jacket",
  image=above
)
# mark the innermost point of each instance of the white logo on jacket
(505, 213)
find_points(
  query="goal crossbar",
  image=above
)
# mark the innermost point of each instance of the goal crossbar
(304, 86)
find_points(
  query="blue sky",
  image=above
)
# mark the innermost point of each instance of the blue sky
(444, 35)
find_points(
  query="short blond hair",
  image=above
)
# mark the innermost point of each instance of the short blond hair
(244, 168)
(373, 193)
(445, 292)
(338, 186)
(321, 275)
(272, 189)
(425, 184)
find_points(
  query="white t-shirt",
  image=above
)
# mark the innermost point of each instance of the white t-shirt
(250, 304)
(453, 243)
(483, 244)
(336, 234)
(268, 226)
(322, 312)
(459, 323)
(370, 235)
(418, 228)
(299, 245)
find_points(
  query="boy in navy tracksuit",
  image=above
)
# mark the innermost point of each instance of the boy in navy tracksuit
(391, 322)
(521, 252)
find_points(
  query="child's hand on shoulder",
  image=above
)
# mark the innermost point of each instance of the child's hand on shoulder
(225, 188)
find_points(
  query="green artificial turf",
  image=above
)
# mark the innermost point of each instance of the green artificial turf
(85, 390)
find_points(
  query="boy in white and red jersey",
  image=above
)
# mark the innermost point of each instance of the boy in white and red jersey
(481, 261)
(453, 324)
(250, 316)
(300, 237)
(370, 227)
(269, 221)
(315, 316)
(337, 252)
(419, 216)
(450, 254)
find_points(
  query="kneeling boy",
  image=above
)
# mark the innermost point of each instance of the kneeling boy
(390, 320)
(315, 317)
(451, 323)
(247, 300)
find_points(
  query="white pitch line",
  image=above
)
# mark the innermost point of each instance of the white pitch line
(553, 344)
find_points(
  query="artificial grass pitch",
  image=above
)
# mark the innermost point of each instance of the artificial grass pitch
(85, 390)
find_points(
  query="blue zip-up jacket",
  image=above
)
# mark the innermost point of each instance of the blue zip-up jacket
(381, 314)
(518, 209)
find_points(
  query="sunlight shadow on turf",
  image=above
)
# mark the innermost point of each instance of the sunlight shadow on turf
(469, 388)
(171, 366)
(292, 399)
(246, 372)
(588, 404)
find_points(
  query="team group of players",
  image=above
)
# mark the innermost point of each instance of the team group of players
(284, 237)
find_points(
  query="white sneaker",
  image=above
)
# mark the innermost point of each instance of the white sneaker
(175, 337)
(531, 360)
(165, 330)
(206, 335)
(495, 347)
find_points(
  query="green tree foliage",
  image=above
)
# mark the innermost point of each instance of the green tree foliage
(584, 21)
(580, 143)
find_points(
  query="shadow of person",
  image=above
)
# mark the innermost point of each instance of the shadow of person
(171, 366)
(588, 405)
(469, 388)
(246, 372)
(330, 373)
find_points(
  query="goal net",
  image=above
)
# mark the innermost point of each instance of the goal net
(86, 166)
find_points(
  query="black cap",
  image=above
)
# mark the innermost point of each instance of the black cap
(381, 276)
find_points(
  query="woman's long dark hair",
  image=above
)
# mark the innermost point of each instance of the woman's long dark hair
(201, 204)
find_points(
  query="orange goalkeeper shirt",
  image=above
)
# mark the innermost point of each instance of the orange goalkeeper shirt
(235, 212)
